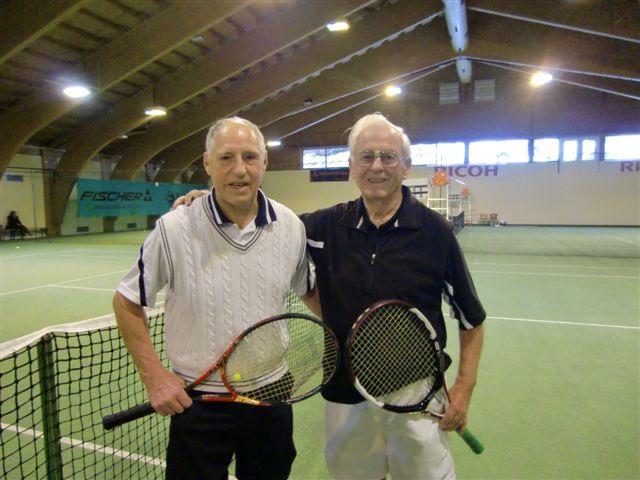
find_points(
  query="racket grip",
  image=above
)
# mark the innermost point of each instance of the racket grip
(111, 421)
(471, 440)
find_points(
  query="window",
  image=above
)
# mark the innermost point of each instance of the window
(546, 149)
(498, 151)
(337, 157)
(569, 150)
(423, 154)
(317, 158)
(589, 149)
(450, 153)
(437, 153)
(622, 147)
(314, 158)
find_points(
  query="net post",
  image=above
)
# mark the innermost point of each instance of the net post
(49, 398)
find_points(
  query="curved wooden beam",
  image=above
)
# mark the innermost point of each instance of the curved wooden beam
(120, 58)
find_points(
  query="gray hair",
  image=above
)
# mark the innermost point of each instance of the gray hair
(223, 122)
(373, 119)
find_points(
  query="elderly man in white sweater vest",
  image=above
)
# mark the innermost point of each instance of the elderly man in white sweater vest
(226, 262)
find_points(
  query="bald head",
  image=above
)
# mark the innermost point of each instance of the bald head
(223, 123)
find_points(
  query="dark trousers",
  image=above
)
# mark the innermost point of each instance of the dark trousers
(203, 440)
(21, 229)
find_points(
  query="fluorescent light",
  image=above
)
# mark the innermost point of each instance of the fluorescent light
(540, 78)
(76, 91)
(340, 26)
(156, 111)
(124, 136)
(274, 143)
(392, 91)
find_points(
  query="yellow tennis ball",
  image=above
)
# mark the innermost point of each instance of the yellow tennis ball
(236, 377)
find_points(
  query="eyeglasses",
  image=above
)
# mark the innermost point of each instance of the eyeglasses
(388, 158)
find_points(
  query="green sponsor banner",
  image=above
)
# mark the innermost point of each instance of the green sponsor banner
(114, 198)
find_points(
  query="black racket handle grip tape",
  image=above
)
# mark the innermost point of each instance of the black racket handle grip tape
(111, 421)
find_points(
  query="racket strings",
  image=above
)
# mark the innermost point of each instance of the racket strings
(393, 357)
(282, 360)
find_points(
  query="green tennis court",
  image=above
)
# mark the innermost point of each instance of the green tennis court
(558, 389)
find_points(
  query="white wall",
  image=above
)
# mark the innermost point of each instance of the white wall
(25, 197)
(581, 193)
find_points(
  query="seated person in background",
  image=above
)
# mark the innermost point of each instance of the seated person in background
(15, 225)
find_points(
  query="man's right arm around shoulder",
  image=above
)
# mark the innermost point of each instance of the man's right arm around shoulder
(164, 389)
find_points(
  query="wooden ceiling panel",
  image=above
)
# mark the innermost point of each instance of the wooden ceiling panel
(118, 93)
(226, 30)
(14, 71)
(40, 62)
(80, 36)
(58, 49)
(131, 9)
(98, 25)
(515, 34)
(155, 70)
(149, 7)
(616, 18)
(243, 20)
(109, 13)
(142, 79)
(190, 49)
(22, 23)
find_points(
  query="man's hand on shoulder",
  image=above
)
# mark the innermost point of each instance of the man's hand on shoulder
(188, 198)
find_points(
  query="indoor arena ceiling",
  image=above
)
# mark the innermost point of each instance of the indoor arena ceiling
(274, 62)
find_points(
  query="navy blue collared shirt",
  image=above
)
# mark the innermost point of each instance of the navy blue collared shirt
(266, 213)
(413, 257)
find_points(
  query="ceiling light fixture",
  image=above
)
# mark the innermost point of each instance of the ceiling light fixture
(340, 26)
(392, 91)
(76, 91)
(540, 78)
(274, 143)
(156, 111)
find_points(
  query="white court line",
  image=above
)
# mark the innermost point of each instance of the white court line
(130, 257)
(61, 252)
(92, 447)
(636, 269)
(67, 253)
(112, 290)
(63, 282)
(539, 274)
(535, 320)
(621, 239)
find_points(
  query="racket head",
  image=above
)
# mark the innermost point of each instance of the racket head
(394, 358)
(281, 360)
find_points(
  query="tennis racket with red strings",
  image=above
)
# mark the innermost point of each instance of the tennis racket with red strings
(278, 361)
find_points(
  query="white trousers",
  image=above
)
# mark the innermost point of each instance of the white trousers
(366, 442)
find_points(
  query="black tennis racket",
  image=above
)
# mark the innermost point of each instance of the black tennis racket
(396, 362)
(280, 360)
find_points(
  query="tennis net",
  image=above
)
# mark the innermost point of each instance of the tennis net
(55, 387)
(58, 383)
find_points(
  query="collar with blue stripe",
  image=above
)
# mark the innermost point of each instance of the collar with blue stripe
(266, 212)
